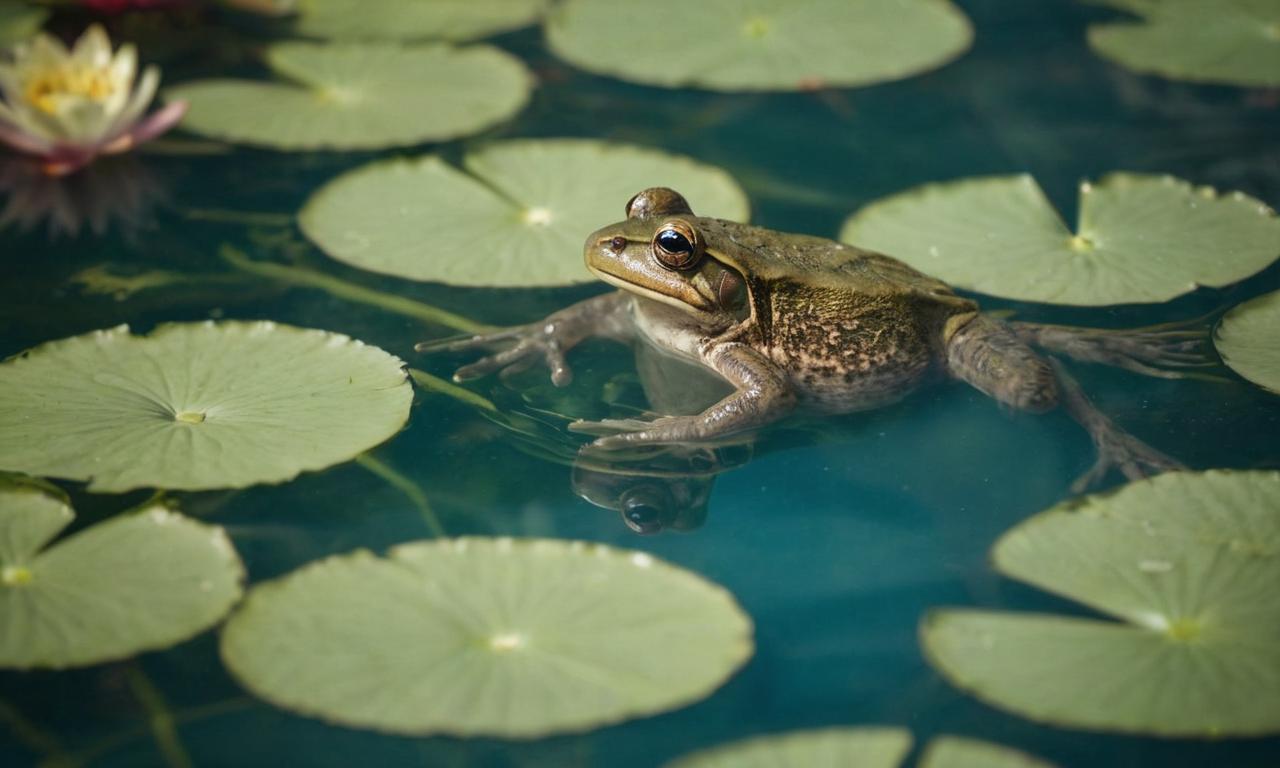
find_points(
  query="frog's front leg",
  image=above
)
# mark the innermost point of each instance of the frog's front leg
(987, 354)
(548, 339)
(761, 395)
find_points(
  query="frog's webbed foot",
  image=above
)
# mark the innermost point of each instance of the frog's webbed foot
(1116, 448)
(618, 434)
(525, 345)
(1162, 351)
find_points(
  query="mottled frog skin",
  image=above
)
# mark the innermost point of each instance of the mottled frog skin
(793, 321)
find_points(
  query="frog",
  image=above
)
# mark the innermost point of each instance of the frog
(800, 323)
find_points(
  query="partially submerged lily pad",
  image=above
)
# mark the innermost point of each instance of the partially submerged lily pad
(360, 96)
(861, 747)
(1249, 340)
(196, 405)
(136, 582)
(1234, 42)
(486, 636)
(1187, 563)
(1140, 238)
(516, 214)
(400, 20)
(760, 44)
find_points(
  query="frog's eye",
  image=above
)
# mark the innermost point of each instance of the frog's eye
(677, 245)
(646, 509)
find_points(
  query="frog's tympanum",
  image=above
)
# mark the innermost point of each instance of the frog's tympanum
(792, 321)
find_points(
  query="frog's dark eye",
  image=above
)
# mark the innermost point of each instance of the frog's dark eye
(677, 246)
(646, 509)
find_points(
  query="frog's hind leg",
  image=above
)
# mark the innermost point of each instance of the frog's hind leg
(1165, 351)
(989, 355)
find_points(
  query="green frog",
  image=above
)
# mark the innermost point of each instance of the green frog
(793, 322)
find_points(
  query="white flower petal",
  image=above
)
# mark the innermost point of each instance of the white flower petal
(121, 73)
(138, 101)
(93, 49)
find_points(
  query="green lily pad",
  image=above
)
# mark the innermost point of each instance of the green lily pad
(1235, 42)
(516, 214)
(957, 752)
(862, 747)
(398, 20)
(134, 583)
(498, 637)
(20, 22)
(360, 96)
(733, 45)
(1188, 564)
(196, 405)
(1140, 238)
(1247, 340)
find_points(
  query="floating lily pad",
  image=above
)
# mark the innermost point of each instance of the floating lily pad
(516, 214)
(134, 583)
(19, 22)
(360, 96)
(1188, 564)
(1236, 42)
(1140, 238)
(400, 20)
(956, 752)
(486, 636)
(824, 748)
(783, 45)
(196, 406)
(1249, 340)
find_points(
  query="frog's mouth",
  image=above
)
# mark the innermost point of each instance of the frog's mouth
(676, 291)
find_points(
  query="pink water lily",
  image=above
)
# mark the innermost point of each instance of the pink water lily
(68, 107)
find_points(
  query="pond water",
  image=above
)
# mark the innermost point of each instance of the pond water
(835, 537)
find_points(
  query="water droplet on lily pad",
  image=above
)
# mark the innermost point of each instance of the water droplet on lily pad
(423, 19)
(1249, 340)
(759, 45)
(860, 747)
(360, 96)
(196, 405)
(498, 637)
(515, 214)
(136, 582)
(1233, 43)
(1140, 238)
(1192, 647)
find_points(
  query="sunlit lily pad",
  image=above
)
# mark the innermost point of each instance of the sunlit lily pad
(136, 582)
(400, 20)
(1249, 340)
(1140, 238)
(486, 636)
(195, 406)
(516, 213)
(1187, 563)
(360, 96)
(1235, 42)
(759, 44)
(19, 22)
(863, 747)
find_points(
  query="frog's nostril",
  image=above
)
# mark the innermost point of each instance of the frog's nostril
(617, 244)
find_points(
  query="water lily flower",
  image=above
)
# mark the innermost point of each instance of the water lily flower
(68, 107)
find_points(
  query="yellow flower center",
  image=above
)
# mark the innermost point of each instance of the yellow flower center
(45, 89)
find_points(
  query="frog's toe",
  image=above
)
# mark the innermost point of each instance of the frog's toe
(1121, 451)
(610, 426)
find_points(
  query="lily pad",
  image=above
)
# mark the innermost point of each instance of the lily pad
(1187, 563)
(196, 405)
(516, 214)
(398, 20)
(863, 747)
(360, 96)
(1247, 340)
(497, 637)
(20, 22)
(781, 45)
(137, 582)
(1234, 42)
(1140, 238)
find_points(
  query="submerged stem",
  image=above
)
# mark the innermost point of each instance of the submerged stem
(159, 717)
(116, 740)
(449, 389)
(32, 736)
(250, 218)
(406, 486)
(341, 289)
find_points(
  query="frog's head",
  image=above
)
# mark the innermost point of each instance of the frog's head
(665, 253)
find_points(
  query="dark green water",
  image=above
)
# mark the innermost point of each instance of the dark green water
(835, 543)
